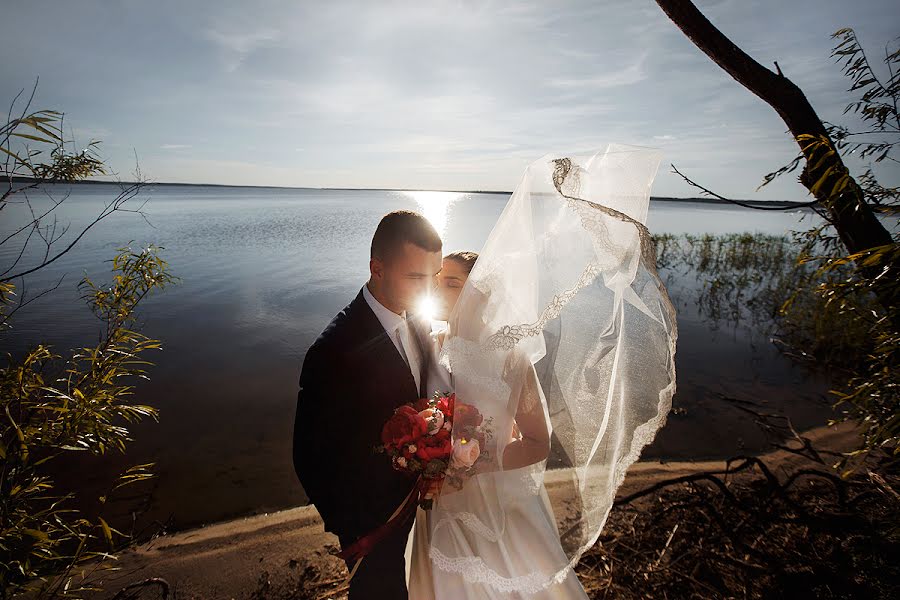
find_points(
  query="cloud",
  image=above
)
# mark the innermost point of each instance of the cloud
(243, 42)
(176, 146)
(236, 45)
(81, 134)
(633, 73)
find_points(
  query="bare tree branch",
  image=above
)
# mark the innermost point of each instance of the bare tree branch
(24, 301)
(127, 193)
(738, 202)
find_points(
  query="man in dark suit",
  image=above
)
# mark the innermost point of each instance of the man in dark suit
(370, 359)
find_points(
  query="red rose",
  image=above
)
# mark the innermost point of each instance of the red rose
(421, 404)
(466, 415)
(445, 405)
(433, 447)
(404, 427)
(442, 434)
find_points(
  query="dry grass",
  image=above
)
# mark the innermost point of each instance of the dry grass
(753, 533)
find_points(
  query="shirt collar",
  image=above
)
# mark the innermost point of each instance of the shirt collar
(388, 318)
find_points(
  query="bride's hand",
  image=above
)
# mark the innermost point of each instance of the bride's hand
(529, 436)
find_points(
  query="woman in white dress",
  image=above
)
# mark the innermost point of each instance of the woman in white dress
(562, 327)
(530, 533)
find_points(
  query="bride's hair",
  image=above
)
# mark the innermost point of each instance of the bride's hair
(466, 259)
(399, 227)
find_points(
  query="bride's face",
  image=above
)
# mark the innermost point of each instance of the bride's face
(450, 282)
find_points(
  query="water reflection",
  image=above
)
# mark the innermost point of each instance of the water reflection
(435, 206)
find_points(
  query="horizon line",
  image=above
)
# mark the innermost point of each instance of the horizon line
(364, 189)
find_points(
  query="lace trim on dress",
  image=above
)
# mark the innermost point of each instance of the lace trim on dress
(476, 525)
(474, 570)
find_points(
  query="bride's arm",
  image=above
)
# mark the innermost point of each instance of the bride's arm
(528, 432)
(533, 443)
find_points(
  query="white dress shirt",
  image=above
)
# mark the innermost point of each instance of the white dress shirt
(398, 329)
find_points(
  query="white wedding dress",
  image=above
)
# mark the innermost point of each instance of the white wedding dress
(530, 538)
(562, 328)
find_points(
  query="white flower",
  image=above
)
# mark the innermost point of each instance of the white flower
(465, 453)
(412, 449)
(434, 418)
(447, 425)
(401, 461)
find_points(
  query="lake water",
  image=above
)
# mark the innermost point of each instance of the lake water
(264, 270)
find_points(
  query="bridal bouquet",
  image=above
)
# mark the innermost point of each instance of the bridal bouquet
(418, 440)
(433, 439)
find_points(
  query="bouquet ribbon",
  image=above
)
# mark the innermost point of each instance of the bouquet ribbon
(359, 549)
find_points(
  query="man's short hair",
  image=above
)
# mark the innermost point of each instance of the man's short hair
(401, 226)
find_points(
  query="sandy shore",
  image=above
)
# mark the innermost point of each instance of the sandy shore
(235, 559)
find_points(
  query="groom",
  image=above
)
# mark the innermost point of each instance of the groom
(368, 361)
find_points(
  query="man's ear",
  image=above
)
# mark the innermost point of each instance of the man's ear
(376, 268)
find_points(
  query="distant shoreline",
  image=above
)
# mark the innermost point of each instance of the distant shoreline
(769, 203)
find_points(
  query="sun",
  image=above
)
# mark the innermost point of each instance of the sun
(427, 308)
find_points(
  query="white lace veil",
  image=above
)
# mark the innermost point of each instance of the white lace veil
(564, 325)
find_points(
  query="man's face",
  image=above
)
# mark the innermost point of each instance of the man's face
(407, 277)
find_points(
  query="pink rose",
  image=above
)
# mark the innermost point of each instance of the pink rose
(434, 418)
(465, 453)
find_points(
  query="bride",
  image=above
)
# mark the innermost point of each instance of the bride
(563, 337)
(530, 531)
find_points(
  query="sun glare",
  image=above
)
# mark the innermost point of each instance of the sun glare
(435, 206)
(427, 308)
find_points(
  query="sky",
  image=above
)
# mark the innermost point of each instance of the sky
(429, 94)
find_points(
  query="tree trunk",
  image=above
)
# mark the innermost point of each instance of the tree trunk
(856, 224)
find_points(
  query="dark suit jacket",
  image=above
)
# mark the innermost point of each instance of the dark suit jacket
(352, 379)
